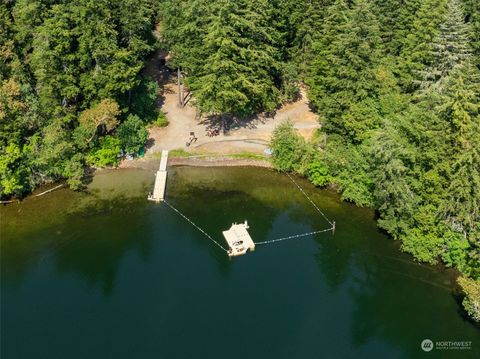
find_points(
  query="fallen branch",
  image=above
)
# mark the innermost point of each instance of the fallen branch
(49, 190)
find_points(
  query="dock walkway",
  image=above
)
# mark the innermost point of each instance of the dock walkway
(158, 194)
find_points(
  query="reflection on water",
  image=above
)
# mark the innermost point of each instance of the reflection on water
(108, 274)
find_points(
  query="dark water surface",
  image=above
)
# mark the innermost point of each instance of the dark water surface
(111, 275)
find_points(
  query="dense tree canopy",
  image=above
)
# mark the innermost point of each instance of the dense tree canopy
(68, 76)
(228, 52)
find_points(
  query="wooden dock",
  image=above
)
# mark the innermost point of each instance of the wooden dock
(238, 239)
(160, 185)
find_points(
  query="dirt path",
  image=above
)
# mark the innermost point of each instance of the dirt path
(252, 136)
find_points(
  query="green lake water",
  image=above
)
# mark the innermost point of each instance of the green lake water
(108, 274)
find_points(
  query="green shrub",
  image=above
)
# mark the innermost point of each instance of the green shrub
(132, 134)
(161, 120)
(318, 174)
(144, 99)
(349, 169)
(471, 303)
(13, 174)
(288, 148)
(74, 171)
(106, 153)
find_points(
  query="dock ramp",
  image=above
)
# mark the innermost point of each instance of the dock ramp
(160, 185)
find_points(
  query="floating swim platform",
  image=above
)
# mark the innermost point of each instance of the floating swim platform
(238, 239)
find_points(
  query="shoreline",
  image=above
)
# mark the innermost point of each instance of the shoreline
(219, 162)
(197, 161)
(151, 164)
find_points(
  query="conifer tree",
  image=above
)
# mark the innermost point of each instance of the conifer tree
(346, 59)
(54, 60)
(472, 16)
(184, 24)
(416, 52)
(306, 18)
(450, 47)
(239, 69)
(460, 108)
(396, 18)
(391, 154)
(7, 53)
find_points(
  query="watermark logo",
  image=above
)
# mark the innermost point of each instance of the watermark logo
(427, 345)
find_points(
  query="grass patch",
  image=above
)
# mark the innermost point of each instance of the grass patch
(248, 156)
(179, 153)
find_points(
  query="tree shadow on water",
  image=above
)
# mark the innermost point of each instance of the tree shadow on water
(392, 299)
(109, 229)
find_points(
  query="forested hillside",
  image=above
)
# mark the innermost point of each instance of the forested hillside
(396, 84)
(69, 77)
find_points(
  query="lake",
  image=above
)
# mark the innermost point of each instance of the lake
(108, 274)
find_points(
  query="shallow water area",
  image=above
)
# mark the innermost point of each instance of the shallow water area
(108, 274)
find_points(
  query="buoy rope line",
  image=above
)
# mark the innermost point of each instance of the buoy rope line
(295, 236)
(197, 227)
(332, 228)
(313, 203)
